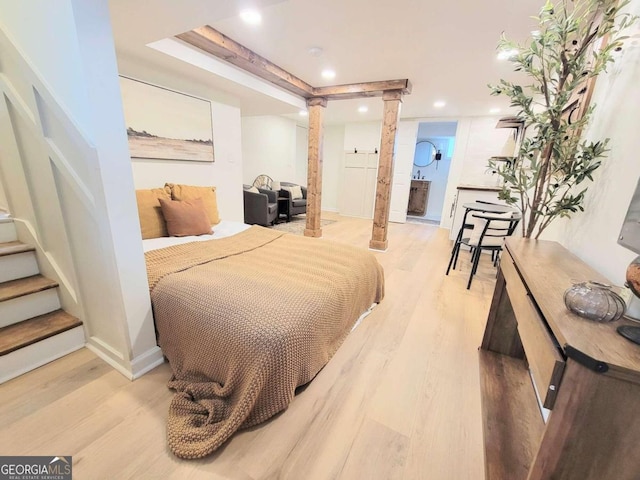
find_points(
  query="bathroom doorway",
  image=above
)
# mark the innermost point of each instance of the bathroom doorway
(435, 143)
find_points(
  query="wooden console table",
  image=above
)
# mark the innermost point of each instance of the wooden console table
(587, 374)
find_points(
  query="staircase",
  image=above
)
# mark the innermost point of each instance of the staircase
(33, 328)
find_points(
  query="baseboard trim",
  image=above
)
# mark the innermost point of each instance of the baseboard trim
(136, 367)
(146, 362)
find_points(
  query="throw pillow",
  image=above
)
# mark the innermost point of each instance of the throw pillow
(494, 236)
(191, 192)
(253, 190)
(187, 217)
(295, 191)
(152, 223)
(275, 186)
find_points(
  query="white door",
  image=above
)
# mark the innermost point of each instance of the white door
(403, 166)
(359, 179)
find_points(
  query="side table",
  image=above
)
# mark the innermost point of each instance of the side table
(283, 208)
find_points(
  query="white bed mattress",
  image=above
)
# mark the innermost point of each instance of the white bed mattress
(224, 229)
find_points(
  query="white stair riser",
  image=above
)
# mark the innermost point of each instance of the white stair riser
(28, 306)
(18, 265)
(33, 356)
(7, 232)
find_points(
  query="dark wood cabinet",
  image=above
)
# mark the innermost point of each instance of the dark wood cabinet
(418, 197)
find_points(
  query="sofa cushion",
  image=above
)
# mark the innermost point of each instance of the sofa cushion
(301, 202)
(191, 192)
(152, 224)
(187, 217)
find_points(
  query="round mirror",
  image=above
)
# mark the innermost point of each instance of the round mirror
(425, 153)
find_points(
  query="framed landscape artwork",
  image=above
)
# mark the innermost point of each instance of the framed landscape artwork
(166, 125)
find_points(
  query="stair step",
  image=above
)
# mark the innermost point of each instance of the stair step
(7, 230)
(17, 260)
(30, 331)
(11, 248)
(25, 286)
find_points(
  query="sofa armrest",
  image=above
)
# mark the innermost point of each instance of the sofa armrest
(255, 208)
(271, 194)
(304, 191)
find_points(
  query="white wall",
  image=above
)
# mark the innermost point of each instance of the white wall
(437, 129)
(4, 205)
(302, 154)
(332, 163)
(477, 139)
(363, 136)
(225, 173)
(278, 147)
(592, 235)
(34, 23)
(269, 147)
(72, 192)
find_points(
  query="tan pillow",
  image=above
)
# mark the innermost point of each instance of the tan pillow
(185, 218)
(190, 192)
(151, 220)
(253, 190)
(295, 191)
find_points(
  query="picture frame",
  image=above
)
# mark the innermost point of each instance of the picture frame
(163, 124)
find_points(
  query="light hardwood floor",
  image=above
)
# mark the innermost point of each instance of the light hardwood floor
(400, 399)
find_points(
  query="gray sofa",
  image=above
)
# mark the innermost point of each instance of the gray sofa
(298, 206)
(260, 208)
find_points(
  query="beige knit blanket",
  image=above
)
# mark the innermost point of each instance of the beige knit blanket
(245, 320)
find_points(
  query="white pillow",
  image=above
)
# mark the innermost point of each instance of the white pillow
(275, 186)
(295, 191)
(478, 227)
(253, 190)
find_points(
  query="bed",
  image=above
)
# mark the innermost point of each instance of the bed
(244, 317)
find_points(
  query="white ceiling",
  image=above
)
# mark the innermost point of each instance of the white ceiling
(446, 49)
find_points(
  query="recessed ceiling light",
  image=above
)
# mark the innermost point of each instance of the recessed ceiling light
(494, 110)
(506, 54)
(303, 113)
(328, 74)
(439, 104)
(363, 109)
(250, 16)
(315, 51)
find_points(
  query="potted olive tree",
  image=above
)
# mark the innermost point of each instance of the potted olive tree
(574, 44)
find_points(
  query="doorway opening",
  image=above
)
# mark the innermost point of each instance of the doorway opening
(435, 143)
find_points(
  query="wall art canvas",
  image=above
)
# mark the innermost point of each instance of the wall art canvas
(164, 124)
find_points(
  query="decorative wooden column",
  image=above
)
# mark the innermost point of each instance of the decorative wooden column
(392, 100)
(314, 169)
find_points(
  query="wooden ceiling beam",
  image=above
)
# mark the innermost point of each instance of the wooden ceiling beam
(360, 90)
(219, 45)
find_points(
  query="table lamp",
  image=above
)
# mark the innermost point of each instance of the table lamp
(630, 238)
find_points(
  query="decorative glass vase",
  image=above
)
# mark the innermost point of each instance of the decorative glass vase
(595, 301)
(633, 276)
